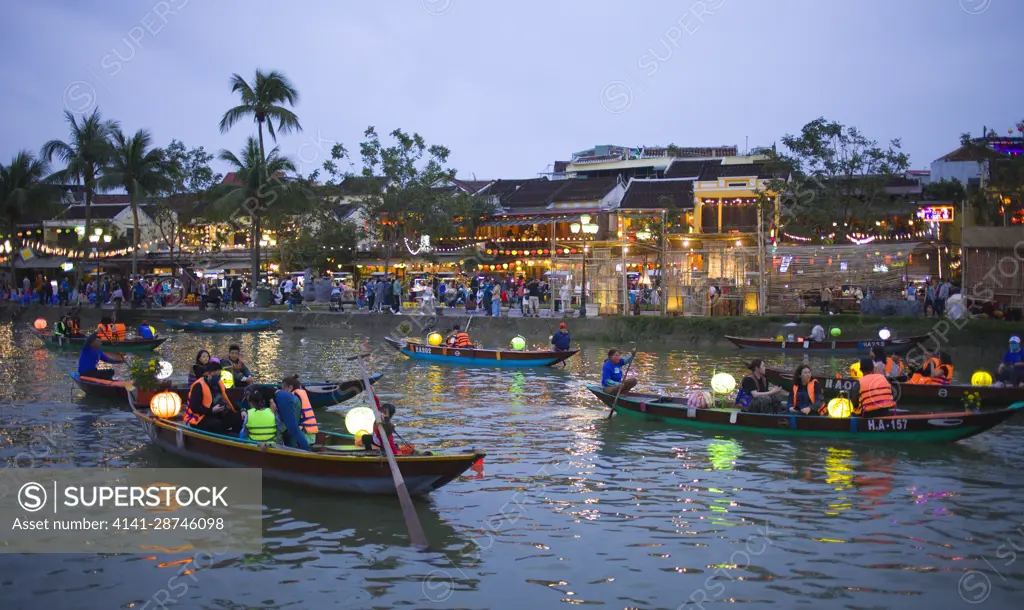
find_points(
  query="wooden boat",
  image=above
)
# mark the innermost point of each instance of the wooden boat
(321, 394)
(221, 327)
(891, 346)
(334, 464)
(900, 428)
(912, 393)
(77, 341)
(481, 357)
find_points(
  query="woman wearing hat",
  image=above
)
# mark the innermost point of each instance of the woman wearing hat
(561, 338)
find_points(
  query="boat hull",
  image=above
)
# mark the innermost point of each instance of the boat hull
(350, 472)
(912, 394)
(321, 394)
(850, 346)
(902, 428)
(221, 327)
(478, 357)
(129, 345)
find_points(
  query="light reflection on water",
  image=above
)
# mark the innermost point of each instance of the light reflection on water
(572, 507)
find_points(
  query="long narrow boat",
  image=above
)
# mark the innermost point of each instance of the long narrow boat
(321, 394)
(891, 346)
(77, 341)
(334, 463)
(901, 428)
(912, 393)
(221, 327)
(480, 357)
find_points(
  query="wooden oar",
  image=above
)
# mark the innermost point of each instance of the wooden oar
(629, 365)
(412, 521)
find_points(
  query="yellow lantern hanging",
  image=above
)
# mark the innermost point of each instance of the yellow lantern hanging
(855, 371)
(981, 378)
(723, 383)
(434, 339)
(779, 338)
(165, 405)
(228, 378)
(840, 407)
(359, 421)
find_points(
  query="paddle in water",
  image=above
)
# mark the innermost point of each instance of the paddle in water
(629, 365)
(412, 521)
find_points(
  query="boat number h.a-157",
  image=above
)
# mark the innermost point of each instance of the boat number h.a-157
(892, 425)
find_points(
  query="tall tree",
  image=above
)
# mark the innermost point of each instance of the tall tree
(23, 186)
(139, 169)
(191, 176)
(84, 155)
(264, 100)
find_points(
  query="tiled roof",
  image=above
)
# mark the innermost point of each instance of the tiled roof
(741, 170)
(686, 169)
(471, 186)
(101, 211)
(972, 153)
(534, 193)
(503, 189)
(585, 189)
(655, 194)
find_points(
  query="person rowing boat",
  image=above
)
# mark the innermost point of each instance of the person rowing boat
(89, 359)
(611, 373)
(1011, 369)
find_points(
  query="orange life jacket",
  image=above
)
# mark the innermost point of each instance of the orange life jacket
(811, 387)
(893, 367)
(875, 393)
(945, 375)
(307, 421)
(461, 340)
(120, 332)
(192, 418)
(105, 331)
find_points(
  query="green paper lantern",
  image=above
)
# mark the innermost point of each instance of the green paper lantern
(518, 343)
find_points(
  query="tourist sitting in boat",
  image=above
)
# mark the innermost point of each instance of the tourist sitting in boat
(374, 441)
(890, 366)
(611, 374)
(199, 368)
(146, 331)
(288, 410)
(89, 359)
(208, 407)
(459, 339)
(806, 396)
(61, 327)
(1011, 369)
(817, 333)
(233, 363)
(259, 421)
(937, 370)
(561, 338)
(307, 419)
(105, 329)
(872, 395)
(755, 395)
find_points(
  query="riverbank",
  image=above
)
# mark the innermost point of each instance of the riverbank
(699, 331)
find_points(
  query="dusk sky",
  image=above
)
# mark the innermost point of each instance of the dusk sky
(510, 87)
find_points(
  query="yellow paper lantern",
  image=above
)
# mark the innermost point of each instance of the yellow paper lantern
(435, 338)
(228, 378)
(840, 407)
(518, 343)
(779, 338)
(855, 371)
(982, 378)
(40, 324)
(723, 383)
(165, 405)
(359, 420)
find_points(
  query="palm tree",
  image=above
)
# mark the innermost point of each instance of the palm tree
(264, 100)
(84, 154)
(22, 186)
(251, 194)
(140, 170)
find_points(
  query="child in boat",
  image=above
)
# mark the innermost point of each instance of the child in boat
(373, 441)
(259, 422)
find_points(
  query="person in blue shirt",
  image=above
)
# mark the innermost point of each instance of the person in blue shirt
(89, 359)
(288, 412)
(611, 373)
(1011, 369)
(561, 339)
(146, 331)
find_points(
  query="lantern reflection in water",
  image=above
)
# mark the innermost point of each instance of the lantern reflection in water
(723, 453)
(839, 472)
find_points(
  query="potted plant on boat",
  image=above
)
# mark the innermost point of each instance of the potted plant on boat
(146, 378)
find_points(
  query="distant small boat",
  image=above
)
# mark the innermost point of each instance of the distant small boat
(321, 394)
(477, 356)
(891, 346)
(335, 463)
(221, 327)
(894, 429)
(77, 341)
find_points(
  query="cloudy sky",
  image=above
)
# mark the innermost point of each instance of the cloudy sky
(510, 87)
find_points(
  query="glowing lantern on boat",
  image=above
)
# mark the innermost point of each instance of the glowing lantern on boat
(981, 378)
(855, 371)
(165, 405)
(166, 370)
(359, 421)
(40, 324)
(227, 378)
(840, 407)
(434, 338)
(779, 338)
(723, 383)
(518, 343)
(835, 332)
(884, 334)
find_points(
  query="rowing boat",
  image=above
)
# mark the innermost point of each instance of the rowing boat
(135, 344)
(891, 346)
(481, 357)
(908, 394)
(334, 464)
(221, 327)
(900, 428)
(321, 394)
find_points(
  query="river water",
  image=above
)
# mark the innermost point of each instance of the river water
(571, 507)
